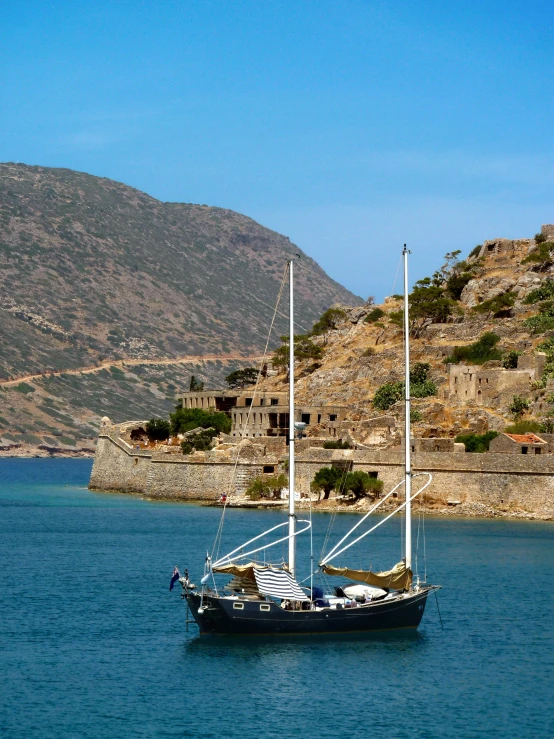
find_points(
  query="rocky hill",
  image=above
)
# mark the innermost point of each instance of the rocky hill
(506, 287)
(93, 269)
(94, 273)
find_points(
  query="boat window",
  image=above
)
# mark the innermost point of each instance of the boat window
(264, 607)
(239, 606)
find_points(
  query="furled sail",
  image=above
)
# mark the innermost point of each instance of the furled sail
(246, 570)
(399, 578)
(279, 584)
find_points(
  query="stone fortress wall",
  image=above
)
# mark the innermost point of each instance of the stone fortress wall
(509, 482)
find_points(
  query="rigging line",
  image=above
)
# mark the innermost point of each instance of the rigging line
(396, 276)
(217, 541)
(311, 551)
(424, 538)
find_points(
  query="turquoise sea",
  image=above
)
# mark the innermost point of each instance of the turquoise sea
(92, 643)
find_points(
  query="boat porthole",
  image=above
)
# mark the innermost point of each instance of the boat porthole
(238, 606)
(264, 607)
(420, 608)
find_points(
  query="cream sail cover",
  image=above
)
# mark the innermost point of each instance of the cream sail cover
(246, 570)
(399, 578)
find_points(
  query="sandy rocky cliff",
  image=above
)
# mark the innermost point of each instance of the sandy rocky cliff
(360, 356)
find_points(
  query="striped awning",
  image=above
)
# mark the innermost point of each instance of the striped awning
(279, 584)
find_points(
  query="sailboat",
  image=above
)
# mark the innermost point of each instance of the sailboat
(267, 600)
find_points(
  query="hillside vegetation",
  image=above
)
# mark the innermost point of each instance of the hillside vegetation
(488, 310)
(93, 272)
(91, 269)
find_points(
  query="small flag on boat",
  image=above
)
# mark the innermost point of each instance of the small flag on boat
(174, 578)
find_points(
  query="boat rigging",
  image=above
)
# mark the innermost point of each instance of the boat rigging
(266, 599)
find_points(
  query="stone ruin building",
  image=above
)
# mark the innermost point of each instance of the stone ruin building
(490, 384)
(514, 247)
(267, 413)
(520, 444)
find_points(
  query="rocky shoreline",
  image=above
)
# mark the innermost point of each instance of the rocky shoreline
(461, 510)
(29, 451)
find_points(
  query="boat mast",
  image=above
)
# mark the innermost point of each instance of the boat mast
(292, 520)
(408, 436)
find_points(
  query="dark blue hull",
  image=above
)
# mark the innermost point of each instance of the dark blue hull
(221, 617)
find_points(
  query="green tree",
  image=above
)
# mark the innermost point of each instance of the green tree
(201, 442)
(481, 351)
(361, 484)
(325, 480)
(428, 304)
(451, 266)
(541, 255)
(519, 406)
(304, 348)
(498, 305)
(510, 359)
(374, 315)
(157, 429)
(388, 394)
(420, 387)
(267, 487)
(330, 444)
(544, 321)
(195, 386)
(187, 419)
(242, 377)
(544, 292)
(523, 427)
(456, 283)
(419, 372)
(476, 443)
(328, 321)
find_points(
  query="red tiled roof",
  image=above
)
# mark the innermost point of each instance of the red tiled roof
(526, 438)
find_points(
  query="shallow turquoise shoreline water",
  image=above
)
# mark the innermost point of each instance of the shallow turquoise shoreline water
(92, 644)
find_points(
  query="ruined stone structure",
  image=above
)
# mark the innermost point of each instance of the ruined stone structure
(266, 413)
(514, 247)
(506, 247)
(511, 482)
(225, 400)
(490, 384)
(519, 444)
(442, 445)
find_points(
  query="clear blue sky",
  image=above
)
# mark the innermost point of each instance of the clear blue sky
(350, 126)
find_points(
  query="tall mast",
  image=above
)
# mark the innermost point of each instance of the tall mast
(292, 520)
(408, 439)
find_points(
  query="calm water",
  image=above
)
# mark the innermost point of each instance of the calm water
(92, 644)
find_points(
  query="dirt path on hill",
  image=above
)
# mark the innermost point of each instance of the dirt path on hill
(122, 363)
